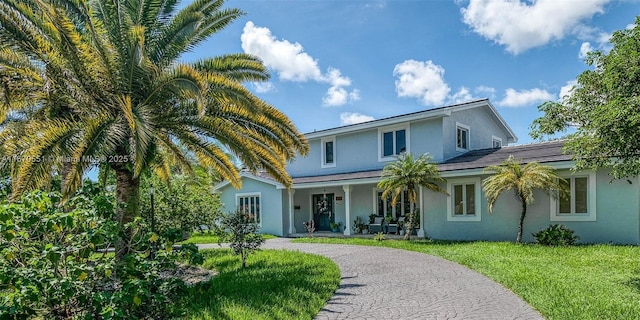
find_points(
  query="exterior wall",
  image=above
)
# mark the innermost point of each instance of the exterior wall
(271, 207)
(482, 128)
(359, 151)
(617, 210)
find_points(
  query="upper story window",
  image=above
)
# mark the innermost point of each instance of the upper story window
(328, 157)
(465, 200)
(392, 141)
(462, 137)
(496, 142)
(250, 204)
(580, 202)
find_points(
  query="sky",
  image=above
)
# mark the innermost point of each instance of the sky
(339, 62)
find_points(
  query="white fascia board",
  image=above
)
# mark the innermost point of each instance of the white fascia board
(428, 114)
(560, 165)
(276, 184)
(335, 183)
(512, 138)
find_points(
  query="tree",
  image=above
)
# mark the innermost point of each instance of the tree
(130, 103)
(407, 173)
(523, 180)
(604, 108)
(240, 229)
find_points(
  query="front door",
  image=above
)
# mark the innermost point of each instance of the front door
(323, 213)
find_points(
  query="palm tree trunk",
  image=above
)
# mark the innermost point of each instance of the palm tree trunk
(524, 213)
(128, 199)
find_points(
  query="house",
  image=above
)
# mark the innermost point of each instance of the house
(336, 182)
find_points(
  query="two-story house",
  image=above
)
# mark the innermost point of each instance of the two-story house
(337, 181)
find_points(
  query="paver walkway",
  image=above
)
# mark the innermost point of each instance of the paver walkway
(385, 283)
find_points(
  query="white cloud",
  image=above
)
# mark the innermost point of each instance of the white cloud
(585, 48)
(353, 118)
(462, 95)
(566, 89)
(487, 92)
(523, 98)
(524, 25)
(422, 80)
(291, 63)
(263, 87)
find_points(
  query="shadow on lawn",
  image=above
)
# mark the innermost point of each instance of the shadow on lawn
(269, 287)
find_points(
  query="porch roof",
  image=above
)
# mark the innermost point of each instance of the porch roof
(544, 152)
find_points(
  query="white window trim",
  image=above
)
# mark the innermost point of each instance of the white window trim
(393, 214)
(463, 126)
(493, 139)
(407, 138)
(323, 162)
(478, 197)
(591, 200)
(252, 194)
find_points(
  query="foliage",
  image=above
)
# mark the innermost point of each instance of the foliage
(379, 236)
(280, 285)
(335, 226)
(104, 85)
(556, 235)
(359, 225)
(242, 232)
(54, 261)
(186, 204)
(408, 174)
(604, 109)
(584, 282)
(523, 180)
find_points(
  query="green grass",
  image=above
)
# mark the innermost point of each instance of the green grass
(276, 284)
(576, 282)
(203, 237)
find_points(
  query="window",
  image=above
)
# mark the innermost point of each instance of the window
(384, 207)
(496, 142)
(579, 203)
(464, 200)
(249, 203)
(328, 152)
(462, 137)
(392, 141)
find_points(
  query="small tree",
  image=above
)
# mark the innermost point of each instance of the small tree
(510, 174)
(408, 174)
(242, 232)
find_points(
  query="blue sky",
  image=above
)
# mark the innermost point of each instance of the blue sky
(337, 62)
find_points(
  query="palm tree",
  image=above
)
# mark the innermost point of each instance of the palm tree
(523, 179)
(129, 103)
(407, 174)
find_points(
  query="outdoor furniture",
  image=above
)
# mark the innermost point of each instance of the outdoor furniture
(376, 226)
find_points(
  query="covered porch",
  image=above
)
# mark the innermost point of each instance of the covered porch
(340, 200)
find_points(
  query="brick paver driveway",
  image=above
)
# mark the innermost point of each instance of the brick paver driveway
(385, 283)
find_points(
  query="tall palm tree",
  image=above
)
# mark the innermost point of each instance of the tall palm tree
(130, 103)
(408, 174)
(523, 179)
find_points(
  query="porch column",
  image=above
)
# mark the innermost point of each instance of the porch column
(420, 232)
(347, 209)
(292, 228)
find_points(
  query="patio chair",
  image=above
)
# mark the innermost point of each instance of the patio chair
(376, 226)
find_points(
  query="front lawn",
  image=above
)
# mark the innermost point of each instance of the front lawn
(205, 237)
(276, 284)
(577, 282)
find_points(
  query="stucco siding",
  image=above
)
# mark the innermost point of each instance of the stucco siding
(271, 202)
(482, 128)
(617, 211)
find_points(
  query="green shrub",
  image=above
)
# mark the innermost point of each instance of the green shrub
(379, 236)
(241, 231)
(54, 263)
(556, 235)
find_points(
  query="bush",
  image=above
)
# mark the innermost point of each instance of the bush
(556, 235)
(242, 232)
(54, 263)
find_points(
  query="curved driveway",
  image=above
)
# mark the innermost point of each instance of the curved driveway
(385, 283)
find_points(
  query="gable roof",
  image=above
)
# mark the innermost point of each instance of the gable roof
(544, 152)
(261, 176)
(420, 115)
